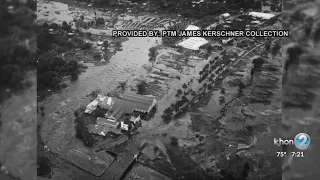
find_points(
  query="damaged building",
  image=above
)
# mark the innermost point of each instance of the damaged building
(124, 113)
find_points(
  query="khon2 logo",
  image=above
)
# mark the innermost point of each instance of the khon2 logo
(301, 141)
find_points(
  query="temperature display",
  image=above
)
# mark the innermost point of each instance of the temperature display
(281, 154)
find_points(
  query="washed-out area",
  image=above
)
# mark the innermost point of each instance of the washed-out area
(220, 119)
(227, 122)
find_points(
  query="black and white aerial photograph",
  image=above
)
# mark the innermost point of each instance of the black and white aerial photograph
(157, 108)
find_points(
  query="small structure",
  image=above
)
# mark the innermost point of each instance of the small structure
(51, 31)
(124, 126)
(129, 122)
(135, 120)
(192, 27)
(261, 15)
(225, 15)
(104, 102)
(70, 34)
(193, 43)
(212, 26)
(227, 41)
(92, 106)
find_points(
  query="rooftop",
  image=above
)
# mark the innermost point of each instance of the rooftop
(129, 106)
(101, 129)
(192, 27)
(261, 15)
(138, 98)
(193, 43)
(225, 15)
(104, 121)
(117, 114)
(106, 103)
(92, 106)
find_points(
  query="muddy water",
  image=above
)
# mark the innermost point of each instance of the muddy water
(124, 65)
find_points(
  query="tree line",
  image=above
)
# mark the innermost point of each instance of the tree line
(52, 69)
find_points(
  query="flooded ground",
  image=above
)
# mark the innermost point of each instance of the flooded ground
(189, 145)
(126, 65)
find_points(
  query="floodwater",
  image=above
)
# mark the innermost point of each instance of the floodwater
(124, 65)
(57, 126)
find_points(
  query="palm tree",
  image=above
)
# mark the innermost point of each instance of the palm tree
(123, 85)
(179, 93)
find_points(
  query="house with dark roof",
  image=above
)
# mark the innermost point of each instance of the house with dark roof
(102, 129)
(104, 126)
(132, 102)
(116, 115)
(107, 122)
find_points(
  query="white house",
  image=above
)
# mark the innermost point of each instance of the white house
(91, 107)
(124, 126)
(135, 120)
(225, 15)
(226, 41)
(193, 43)
(102, 101)
(261, 15)
(192, 27)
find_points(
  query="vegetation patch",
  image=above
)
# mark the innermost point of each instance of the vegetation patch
(52, 68)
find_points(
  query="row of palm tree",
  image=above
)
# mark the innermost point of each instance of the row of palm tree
(182, 102)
